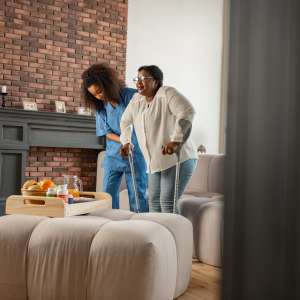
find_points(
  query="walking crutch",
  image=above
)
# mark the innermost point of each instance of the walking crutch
(130, 158)
(186, 128)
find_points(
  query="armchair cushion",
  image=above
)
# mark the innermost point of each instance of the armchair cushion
(208, 176)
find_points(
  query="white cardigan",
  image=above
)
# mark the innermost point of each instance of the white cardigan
(155, 124)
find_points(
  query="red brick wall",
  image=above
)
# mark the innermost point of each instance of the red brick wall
(54, 162)
(44, 47)
(46, 44)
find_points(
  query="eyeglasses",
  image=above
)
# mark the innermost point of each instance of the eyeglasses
(141, 78)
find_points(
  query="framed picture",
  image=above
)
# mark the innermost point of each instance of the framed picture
(85, 111)
(60, 106)
(29, 105)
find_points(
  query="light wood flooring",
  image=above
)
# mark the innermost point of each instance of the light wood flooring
(205, 283)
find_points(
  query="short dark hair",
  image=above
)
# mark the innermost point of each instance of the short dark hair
(106, 78)
(155, 72)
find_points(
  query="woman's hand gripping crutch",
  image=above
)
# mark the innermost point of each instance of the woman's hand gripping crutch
(126, 150)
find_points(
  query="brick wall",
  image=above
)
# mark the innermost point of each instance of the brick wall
(54, 162)
(46, 44)
(44, 47)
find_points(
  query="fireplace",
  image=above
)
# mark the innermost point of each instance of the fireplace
(44, 144)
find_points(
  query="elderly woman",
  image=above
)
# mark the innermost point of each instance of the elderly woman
(102, 88)
(162, 120)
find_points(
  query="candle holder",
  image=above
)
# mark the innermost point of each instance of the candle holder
(3, 98)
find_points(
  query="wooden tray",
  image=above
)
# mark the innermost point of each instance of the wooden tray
(55, 207)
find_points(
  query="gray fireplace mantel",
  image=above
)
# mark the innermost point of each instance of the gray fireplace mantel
(20, 129)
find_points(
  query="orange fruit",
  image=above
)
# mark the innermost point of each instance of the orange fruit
(45, 184)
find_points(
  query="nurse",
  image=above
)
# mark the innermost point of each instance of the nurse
(103, 89)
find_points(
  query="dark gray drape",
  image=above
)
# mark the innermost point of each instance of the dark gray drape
(262, 203)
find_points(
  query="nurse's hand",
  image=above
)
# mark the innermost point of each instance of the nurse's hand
(170, 148)
(124, 151)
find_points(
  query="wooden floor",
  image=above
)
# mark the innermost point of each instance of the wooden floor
(205, 283)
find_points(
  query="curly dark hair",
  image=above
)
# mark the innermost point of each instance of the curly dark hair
(106, 78)
(155, 72)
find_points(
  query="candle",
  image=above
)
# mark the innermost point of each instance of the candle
(4, 89)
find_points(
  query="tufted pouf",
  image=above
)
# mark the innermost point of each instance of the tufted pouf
(107, 255)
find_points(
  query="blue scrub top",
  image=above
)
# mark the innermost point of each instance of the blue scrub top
(108, 121)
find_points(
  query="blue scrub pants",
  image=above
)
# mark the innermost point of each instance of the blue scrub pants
(112, 181)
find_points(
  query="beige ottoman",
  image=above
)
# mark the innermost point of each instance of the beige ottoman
(109, 255)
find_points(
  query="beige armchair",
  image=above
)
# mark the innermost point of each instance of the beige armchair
(202, 204)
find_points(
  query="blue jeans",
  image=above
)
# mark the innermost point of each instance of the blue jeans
(162, 186)
(111, 185)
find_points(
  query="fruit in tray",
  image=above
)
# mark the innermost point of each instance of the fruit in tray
(45, 184)
(33, 185)
(29, 183)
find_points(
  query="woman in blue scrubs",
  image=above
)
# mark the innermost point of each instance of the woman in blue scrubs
(102, 88)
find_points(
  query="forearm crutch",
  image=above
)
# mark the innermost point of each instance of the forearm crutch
(130, 158)
(176, 187)
(186, 128)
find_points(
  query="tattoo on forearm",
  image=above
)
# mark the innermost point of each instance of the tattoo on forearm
(186, 127)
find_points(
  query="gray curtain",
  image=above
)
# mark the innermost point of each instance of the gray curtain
(262, 197)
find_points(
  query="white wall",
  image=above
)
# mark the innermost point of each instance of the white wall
(184, 38)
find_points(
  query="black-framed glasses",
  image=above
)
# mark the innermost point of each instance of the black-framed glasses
(141, 78)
